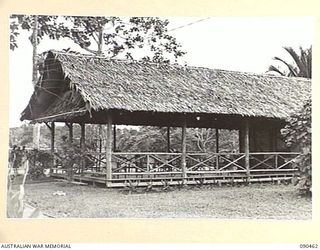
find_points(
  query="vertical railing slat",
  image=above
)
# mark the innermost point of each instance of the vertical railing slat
(148, 163)
(217, 161)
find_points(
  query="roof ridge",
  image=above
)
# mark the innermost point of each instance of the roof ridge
(178, 66)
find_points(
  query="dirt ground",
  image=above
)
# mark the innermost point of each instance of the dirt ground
(260, 201)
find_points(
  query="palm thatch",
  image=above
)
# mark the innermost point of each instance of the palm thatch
(73, 84)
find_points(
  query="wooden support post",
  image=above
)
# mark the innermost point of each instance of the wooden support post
(217, 140)
(52, 128)
(109, 149)
(52, 149)
(36, 135)
(168, 139)
(83, 135)
(70, 126)
(184, 149)
(247, 147)
(100, 147)
(82, 146)
(114, 138)
(53, 144)
(217, 149)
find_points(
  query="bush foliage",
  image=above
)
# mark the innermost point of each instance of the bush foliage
(70, 156)
(298, 136)
(38, 160)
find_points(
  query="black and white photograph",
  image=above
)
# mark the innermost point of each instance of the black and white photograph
(160, 117)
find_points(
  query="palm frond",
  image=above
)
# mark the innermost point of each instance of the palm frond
(275, 69)
(299, 60)
(291, 68)
(309, 63)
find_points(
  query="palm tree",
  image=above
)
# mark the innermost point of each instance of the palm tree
(301, 65)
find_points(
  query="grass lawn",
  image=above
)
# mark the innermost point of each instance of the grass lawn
(262, 201)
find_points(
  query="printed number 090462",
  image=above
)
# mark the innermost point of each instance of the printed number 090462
(313, 246)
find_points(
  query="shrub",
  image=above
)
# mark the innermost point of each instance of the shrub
(298, 136)
(38, 160)
(70, 156)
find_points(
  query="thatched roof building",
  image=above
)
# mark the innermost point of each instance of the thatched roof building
(80, 88)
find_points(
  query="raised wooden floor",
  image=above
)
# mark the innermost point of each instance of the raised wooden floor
(145, 169)
(165, 179)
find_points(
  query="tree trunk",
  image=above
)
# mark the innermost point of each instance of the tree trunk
(34, 52)
(36, 127)
(99, 53)
(100, 41)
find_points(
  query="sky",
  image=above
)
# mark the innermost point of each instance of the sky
(245, 44)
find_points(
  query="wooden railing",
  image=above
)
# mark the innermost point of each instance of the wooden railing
(146, 162)
(275, 160)
(156, 164)
(215, 161)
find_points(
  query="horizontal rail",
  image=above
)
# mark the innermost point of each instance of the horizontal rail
(148, 173)
(162, 164)
(202, 153)
(144, 153)
(274, 153)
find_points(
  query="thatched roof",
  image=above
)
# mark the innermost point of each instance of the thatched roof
(72, 82)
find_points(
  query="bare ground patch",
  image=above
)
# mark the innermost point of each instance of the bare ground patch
(261, 201)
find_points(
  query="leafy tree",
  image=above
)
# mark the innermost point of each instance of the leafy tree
(144, 38)
(204, 139)
(40, 27)
(21, 136)
(154, 139)
(301, 65)
(112, 36)
(47, 26)
(298, 134)
(122, 37)
(39, 160)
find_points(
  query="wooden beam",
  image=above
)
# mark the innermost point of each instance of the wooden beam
(82, 145)
(168, 139)
(52, 129)
(109, 148)
(247, 147)
(217, 140)
(36, 135)
(114, 138)
(48, 125)
(100, 146)
(217, 148)
(184, 149)
(83, 135)
(70, 126)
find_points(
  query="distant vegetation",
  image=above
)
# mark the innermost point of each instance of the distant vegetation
(130, 139)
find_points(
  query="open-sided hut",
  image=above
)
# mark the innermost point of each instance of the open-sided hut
(76, 88)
